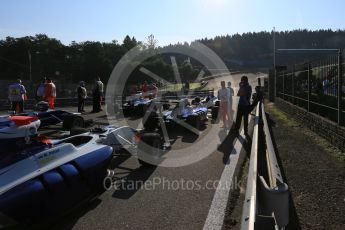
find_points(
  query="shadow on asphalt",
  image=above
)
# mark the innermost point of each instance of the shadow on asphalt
(226, 146)
(133, 182)
(180, 132)
(247, 144)
(68, 220)
(294, 223)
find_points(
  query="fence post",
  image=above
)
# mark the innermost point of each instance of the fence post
(271, 85)
(340, 84)
(293, 84)
(309, 88)
(275, 84)
(283, 85)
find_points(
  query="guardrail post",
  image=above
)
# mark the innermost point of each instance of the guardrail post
(340, 84)
(275, 201)
(309, 86)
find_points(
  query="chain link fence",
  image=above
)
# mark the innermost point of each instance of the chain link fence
(316, 86)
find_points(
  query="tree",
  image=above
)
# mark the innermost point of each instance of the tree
(129, 43)
(151, 42)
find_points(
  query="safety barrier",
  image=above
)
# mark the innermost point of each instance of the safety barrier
(266, 204)
(5, 105)
(190, 94)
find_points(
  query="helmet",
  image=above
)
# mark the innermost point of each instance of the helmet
(42, 106)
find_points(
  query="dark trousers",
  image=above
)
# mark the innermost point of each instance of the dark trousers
(81, 104)
(242, 111)
(17, 106)
(96, 98)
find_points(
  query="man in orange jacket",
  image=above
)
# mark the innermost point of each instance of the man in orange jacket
(50, 93)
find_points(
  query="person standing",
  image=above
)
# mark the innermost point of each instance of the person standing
(224, 97)
(153, 90)
(257, 97)
(50, 93)
(17, 95)
(185, 88)
(82, 95)
(40, 90)
(243, 108)
(97, 94)
(144, 88)
(134, 89)
(230, 103)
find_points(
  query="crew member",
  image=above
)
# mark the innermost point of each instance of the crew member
(40, 90)
(243, 108)
(82, 95)
(230, 103)
(17, 95)
(97, 94)
(224, 97)
(50, 93)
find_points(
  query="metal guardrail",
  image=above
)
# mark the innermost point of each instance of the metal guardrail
(249, 206)
(30, 103)
(275, 176)
(266, 202)
(5, 105)
(191, 94)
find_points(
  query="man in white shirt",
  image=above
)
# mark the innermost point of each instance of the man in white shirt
(232, 93)
(97, 94)
(224, 97)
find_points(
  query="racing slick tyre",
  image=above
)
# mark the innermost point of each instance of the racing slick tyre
(214, 112)
(72, 121)
(195, 121)
(141, 109)
(166, 106)
(78, 130)
(150, 143)
(126, 112)
(152, 122)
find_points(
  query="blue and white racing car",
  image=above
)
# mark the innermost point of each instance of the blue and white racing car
(136, 105)
(45, 178)
(182, 114)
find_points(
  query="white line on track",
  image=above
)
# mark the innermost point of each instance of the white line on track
(215, 217)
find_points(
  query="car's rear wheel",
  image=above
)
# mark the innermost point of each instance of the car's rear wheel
(215, 112)
(166, 106)
(151, 122)
(73, 121)
(149, 149)
(76, 131)
(194, 121)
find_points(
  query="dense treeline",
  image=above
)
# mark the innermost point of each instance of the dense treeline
(50, 58)
(85, 60)
(255, 50)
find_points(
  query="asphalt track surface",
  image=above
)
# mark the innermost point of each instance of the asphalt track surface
(159, 197)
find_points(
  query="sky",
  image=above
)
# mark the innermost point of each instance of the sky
(170, 21)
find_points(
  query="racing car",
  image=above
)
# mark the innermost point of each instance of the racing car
(45, 178)
(211, 102)
(182, 114)
(16, 130)
(52, 117)
(136, 105)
